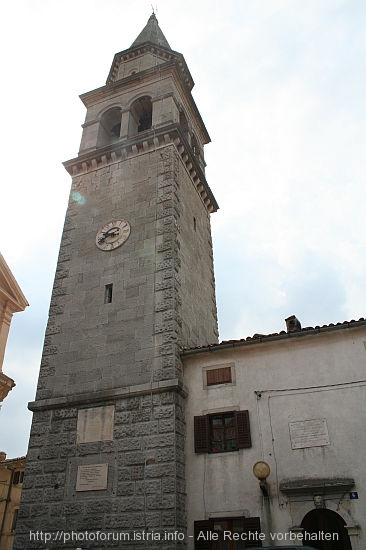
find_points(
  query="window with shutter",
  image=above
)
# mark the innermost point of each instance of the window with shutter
(202, 530)
(201, 434)
(217, 534)
(222, 432)
(243, 429)
(252, 529)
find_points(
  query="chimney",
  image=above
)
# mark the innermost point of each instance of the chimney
(293, 324)
(2, 456)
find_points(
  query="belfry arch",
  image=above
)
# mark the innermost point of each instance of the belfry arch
(140, 115)
(109, 127)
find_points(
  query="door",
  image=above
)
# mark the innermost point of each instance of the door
(323, 524)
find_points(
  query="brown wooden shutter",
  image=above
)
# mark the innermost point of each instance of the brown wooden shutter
(203, 526)
(201, 434)
(243, 429)
(221, 375)
(252, 525)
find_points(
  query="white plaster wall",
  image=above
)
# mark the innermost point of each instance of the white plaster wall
(318, 376)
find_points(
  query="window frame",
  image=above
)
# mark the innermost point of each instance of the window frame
(18, 477)
(203, 431)
(219, 383)
(218, 376)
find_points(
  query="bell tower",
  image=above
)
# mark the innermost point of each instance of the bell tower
(134, 285)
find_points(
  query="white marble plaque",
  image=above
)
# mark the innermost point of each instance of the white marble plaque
(92, 477)
(95, 424)
(309, 433)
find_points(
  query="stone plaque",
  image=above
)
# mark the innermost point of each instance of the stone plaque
(95, 424)
(309, 433)
(92, 477)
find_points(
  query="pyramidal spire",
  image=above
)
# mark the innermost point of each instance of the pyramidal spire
(151, 33)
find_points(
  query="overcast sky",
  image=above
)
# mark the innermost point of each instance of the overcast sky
(281, 87)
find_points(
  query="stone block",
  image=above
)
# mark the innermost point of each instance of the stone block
(166, 440)
(168, 518)
(148, 486)
(166, 411)
(129, 444)
(160, 470)
(54, 466)
(132, 458)
(130, 503)
(126, 488)
(45, 372)
(31, 495)
(65, 413)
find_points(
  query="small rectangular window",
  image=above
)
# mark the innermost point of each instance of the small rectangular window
(18, 477)
(108, 293)
(221, 375)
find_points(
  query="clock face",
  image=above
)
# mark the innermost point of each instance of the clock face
(113, 234)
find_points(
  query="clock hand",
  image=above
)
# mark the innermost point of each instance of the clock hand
(107, 234)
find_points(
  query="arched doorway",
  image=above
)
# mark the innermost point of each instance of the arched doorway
(322, 522)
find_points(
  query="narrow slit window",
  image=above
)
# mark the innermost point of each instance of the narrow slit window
(108, 293)
(195, 224)
(14, 520)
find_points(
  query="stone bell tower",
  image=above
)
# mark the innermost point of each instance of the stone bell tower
(134, 285)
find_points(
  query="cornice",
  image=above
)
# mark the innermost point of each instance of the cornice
(9, 289)
(145, 142)
(114, 86)
(6, 384)
(173, 385)
(163, 53)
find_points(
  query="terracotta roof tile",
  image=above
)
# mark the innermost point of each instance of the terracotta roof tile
(257, 338)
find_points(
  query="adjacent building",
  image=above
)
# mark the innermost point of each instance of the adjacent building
(11, 479)
(292, 401)
(12, 300)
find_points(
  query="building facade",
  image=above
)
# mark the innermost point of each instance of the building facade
(11, 479)
(303, 396)
(12, 300)
(106, 449)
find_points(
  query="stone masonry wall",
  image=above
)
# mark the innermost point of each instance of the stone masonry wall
(145, 476)
(122, 353)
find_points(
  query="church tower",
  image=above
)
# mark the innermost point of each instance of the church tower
(134, 285)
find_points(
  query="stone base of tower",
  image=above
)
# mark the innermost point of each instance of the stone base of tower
(126, 492)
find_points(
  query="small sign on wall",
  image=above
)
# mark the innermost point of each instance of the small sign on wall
(95, 424)
(92, 477)
(309, 433)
